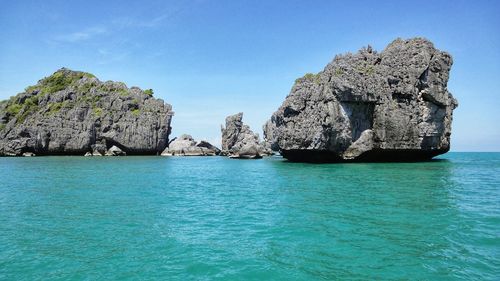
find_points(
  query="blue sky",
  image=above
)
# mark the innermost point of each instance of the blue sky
(210, 59)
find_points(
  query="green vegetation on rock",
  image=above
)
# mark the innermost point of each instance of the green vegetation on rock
(30, 102)
(54, 107)
(86, 87)
(21, 110)
(31, 89)
(90, 99)
(149, 92)
(59, 81)
(27, 111)
(13, 109)
(97, 111)
(88, 75)
(123, 92)
(309, 77)
(78, 93)
(366, 69)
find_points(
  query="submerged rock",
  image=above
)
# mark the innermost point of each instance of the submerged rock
(238, 141)
(369, 106)
(185, 145)
(70, 112)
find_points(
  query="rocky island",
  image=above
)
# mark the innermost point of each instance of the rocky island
(239, 141)
(74, 113)
(369, 106)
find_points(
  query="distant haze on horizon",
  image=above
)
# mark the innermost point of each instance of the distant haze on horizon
(210, 59)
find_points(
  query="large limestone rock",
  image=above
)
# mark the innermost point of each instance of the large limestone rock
(238, 141)
(185, 145)
(369, 106)
(72, 112)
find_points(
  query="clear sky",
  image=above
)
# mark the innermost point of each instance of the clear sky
(210, 59)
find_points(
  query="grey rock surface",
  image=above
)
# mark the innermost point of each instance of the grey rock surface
(238, 141)
(369, 106)
(185, 145)
(72, 112)
(98, 149)
(115, 151)
(247, 151)
(208, 148)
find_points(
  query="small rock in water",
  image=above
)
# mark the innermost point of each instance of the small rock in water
(115, 151)
(248, 151)
(185, 145)
(238, 141)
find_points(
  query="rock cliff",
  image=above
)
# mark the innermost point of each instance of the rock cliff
(238, 141)
(72, 113)
(369, 106)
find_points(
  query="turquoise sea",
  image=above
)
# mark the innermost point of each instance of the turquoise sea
(213, 218)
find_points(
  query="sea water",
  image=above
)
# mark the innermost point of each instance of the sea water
(206, 218)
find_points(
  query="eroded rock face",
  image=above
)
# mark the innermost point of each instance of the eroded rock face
(185, 145)
(369, 106)
(238, 141)
(72, 113)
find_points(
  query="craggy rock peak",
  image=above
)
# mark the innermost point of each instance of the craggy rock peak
(72, 112)
(369, 106)
(185, 145)
(238, 141)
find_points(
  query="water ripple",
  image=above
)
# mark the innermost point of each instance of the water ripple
(216, 218)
